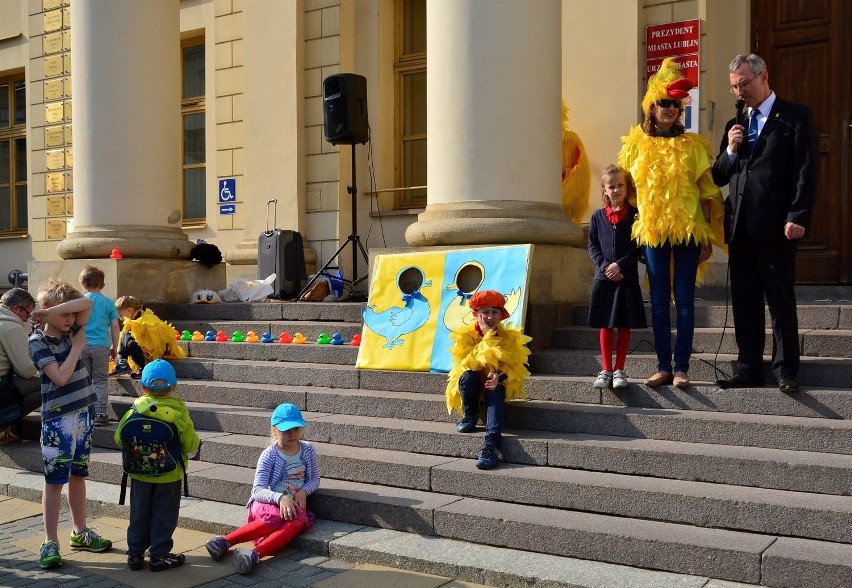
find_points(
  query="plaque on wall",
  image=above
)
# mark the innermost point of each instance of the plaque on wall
(66, 62)
(54, 136)
(69, 157)
(68, 86)
(55, 159)
(55, 229)
(50, 4)
(54, 89)
(67, 110)
(69, 180)
(68, 134)
(52, 43)
(52, 20)
(66, 40)
(53, 65)
(69, 204)
(53, 112)
(54, 182)
(56, 205)
(66, 17)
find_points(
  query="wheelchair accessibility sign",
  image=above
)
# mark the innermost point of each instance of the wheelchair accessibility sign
(227, 190)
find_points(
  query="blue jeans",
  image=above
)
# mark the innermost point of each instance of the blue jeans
(154, 511)
(658, 262)
(470, 384)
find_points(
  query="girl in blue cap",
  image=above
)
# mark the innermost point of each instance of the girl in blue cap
(286, 474)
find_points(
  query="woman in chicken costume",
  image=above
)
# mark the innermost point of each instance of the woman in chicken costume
(680, 214)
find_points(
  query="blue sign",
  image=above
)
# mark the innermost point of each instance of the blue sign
(227, 191)
(227, 209)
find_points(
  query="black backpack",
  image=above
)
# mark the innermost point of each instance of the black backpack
(149, 447)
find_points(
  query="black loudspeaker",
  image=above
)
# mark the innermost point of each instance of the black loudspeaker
(344, 103)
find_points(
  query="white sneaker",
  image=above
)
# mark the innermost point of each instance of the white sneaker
(619, 379)
(603, 381)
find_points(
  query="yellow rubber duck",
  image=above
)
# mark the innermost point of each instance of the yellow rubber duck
(251, 337)
(299, 339)
(197, 336)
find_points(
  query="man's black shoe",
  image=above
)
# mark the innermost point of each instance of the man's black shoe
(740, 381)
(788, 385)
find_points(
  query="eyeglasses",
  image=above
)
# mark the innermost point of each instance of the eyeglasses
(666, 103)
(28, 313)
(742, 85)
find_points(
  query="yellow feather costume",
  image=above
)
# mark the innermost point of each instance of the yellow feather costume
(156, 337)
(576, 173)
(501, 349)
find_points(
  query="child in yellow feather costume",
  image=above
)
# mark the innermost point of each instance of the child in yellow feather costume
(488, 360)
(144, 337)
(680, 214)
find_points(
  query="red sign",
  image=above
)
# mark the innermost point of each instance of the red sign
(673, 38)
(687, 64)
(679, 40)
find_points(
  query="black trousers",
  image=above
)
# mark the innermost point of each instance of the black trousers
(128, 347)
(767, 270)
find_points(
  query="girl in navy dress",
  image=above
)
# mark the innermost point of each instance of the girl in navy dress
(616, 301)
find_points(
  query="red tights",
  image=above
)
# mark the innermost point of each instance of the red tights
(275, 538)
(621, 352)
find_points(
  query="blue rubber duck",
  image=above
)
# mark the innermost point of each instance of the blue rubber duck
(267, 338)
(210, 336)
(337, 339)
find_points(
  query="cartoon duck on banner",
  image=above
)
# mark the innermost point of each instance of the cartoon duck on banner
(409, 317)
(576, 173)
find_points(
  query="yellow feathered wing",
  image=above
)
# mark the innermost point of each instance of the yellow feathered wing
(501, 349)
(576, 173)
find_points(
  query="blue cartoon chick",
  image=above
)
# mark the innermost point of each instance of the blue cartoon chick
(396, 321)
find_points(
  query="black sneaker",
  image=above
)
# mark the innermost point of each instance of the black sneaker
(121, 369)
(135, 561)
(487, 458)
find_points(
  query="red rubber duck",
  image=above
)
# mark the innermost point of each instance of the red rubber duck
(285, 337)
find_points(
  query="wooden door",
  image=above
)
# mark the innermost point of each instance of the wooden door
(806, 45)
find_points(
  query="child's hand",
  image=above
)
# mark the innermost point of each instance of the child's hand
(112, 353)
(492, 381)
(613, 272)
(79, 339)
(287, 507)
(300, 498)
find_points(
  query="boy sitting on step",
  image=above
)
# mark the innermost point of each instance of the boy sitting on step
(144, 337)
(489, 360)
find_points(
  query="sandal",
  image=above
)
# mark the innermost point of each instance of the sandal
(169, 561)
(135, 561)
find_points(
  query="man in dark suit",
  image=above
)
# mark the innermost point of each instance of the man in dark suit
(769, 160)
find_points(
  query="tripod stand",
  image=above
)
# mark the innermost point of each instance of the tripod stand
(352, 239)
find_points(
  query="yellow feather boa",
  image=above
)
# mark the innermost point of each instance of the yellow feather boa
(501, 349)
(673, 178)
(156, 337)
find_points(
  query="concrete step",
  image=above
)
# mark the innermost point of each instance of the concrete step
(835, 372)
(310, 329)
(566, 494)
(813, 342)
(787, 562)
(827, 315)
(251, 378)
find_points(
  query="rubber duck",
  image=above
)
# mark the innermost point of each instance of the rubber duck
(299, 339)
(337, 339)
(323, 339)
(356, 340)
(197, 336)
(238, 337)
(251, 337)
(116, 254)
(186, 336)
(267, 338)
(210, 336)
(177, 335)
(285, 337)
(221, 336)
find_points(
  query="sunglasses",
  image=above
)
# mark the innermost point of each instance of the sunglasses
(666, 103)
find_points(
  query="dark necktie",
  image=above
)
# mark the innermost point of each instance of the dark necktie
(752, 130)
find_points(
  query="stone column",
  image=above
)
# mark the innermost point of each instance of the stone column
(125, 66)
(493, 111)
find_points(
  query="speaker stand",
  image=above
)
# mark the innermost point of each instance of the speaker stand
(357, 247)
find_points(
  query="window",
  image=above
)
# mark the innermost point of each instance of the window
(193, 142)
(13, 155)
(410, 76)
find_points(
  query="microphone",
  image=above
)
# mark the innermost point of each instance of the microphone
(739, 105)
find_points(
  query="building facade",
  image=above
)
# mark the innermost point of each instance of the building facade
(192, 115)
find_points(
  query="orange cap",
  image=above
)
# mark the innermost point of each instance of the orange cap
(489, 298)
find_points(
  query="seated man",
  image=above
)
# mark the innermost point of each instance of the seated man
(16, 305)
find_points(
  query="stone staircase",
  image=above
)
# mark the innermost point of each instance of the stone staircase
(749, 486)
